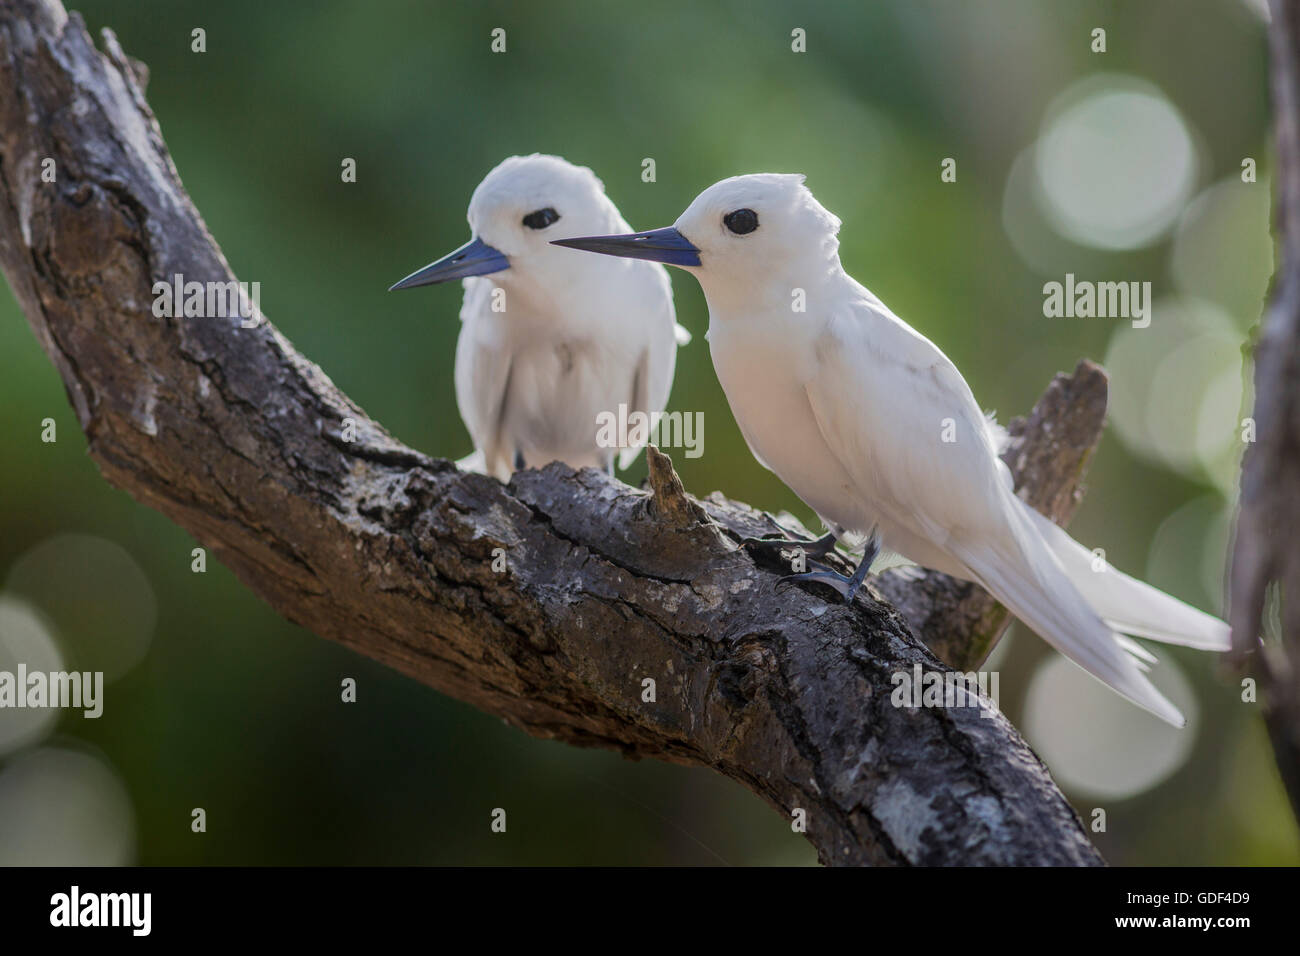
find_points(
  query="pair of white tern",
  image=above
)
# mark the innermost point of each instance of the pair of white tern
(843, 400)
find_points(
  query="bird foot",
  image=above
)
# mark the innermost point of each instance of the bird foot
(813, 549)
(846, 585)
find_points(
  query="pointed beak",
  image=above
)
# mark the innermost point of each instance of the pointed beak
(658, 245)
(475, 258)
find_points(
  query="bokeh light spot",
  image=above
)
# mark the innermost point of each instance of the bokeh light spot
(99, 599)
(64, 807)
(1115, 163)
(1096, 743)
(1176, 389)
(25, 639)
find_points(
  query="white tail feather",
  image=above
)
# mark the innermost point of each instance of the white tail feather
(1127, 604)
(627, 456)
(473, 462)
(1023, 573)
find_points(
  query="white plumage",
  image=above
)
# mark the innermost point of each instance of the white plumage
(850, 407)
(551, 340)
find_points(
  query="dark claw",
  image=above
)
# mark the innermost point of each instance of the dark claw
(813, 549)
(852, 584)
(812, 576)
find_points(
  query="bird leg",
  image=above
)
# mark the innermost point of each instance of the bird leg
(848, 586)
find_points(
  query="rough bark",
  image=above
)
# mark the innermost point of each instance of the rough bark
(239, 439)
(1265, 580)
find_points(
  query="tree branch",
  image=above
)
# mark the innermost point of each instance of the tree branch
(236, 437)
(1265, 556)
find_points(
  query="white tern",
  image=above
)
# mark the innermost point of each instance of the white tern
(874, 428)
(549, 340)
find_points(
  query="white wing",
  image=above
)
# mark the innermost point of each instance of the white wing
(653, 379)
(483, 362)
(902, 421)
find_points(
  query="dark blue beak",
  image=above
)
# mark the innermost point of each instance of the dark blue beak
(658, 245)
(475, 258)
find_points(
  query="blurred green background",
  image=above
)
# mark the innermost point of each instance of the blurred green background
(1122, 165)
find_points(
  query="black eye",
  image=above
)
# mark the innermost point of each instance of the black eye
(541, 218)
(741, 221)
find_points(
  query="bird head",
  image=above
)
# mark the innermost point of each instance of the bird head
(742, 232)
(518, 207)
